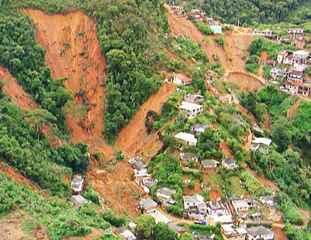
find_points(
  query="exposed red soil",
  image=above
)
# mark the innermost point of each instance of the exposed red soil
(134, 136)
(15, 92)
(279, 234)
(73, 52)
(225, 149)
(17, 177)
(214, 195)
(245, 81)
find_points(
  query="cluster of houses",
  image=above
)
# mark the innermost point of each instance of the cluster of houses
(198, 15)
(291, 68)
(295, 36)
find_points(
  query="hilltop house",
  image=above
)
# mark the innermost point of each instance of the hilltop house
(127, 234)
(259, 233)
(186, 138)
(78, 200)
(196, 14)
(209, 164)
(214, 25)
(188, 157)
(259, 142)
(191, 109)
(147, 204)
(77, 184)
(199, 128)
(195, 207)
(218, 213)
(277, 73)
(265, 33)
(165, 196)
(232, 232)
(296, 36)
(242, 206)
(194, 98)
(267, 200)
(229, 163)
(181, 79)
(158, 216)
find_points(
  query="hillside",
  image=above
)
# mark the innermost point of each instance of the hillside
(127, 119)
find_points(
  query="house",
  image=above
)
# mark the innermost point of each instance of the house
(137, 163)
(259, 233)
(195, 207)
(196, 14)
(226, 98)
(285, 57)
(148, 182)
(257, 130)
(147, 204)
(77, 184)
(265, 33)
(295, 77)
(186, 138)
(267, 200)
(242, 206)
(294, 32)
(229, 163)
(277, 73)
(199, 128)
(301, 57)
(127, 234)
(181, 79)
(259, 142)
(191, 109)
(188, 157)
(78, 200)
(232, 232)
(165, 196)
(194, 98)
(158, 216)
(218, 213)
(214, 25)
(209, 164)
(178, 10)
(177, 228)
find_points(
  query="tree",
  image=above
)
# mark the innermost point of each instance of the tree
(145, 225)
(39, 117)
(162, 232)
(281, 133)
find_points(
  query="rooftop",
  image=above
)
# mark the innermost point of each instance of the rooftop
(147, 203)
(260, 230)
(265, 141)
(189, 106)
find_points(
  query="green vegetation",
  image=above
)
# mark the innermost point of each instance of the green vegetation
(252, 12)
(61, 219)
(288, 168)
(205, 29)
(26, 149)
(187, 49)
(25, 60)
(220, 41)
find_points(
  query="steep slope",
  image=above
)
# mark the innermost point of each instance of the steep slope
(17, 94)
(132, 138)
(73, 52)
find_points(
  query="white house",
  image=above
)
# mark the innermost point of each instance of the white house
(127, 235)
(258, 142)
(181, 79)
(242, 206)
(218, 213)
(77, 183)
(147, 204)
(191, 109)
(165, 196)
(195, 206)
(233, 232)
(259, 233)
(158, 216)
(187, 138)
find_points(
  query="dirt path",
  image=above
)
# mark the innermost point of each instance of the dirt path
(133, 137)
(73, 51)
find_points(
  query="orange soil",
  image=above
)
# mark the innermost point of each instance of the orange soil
(267, 122)
(16, 176)
(15, 92)
(245, 81)
(73, 51)
(225, 149)
(279, 234)
(214, 195)
(133, 137)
